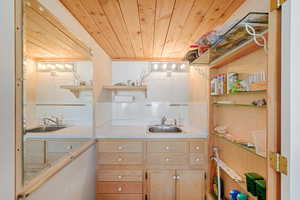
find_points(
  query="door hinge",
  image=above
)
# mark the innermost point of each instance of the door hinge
(146, 197)
(205, 176)
(279, 163)
(276, 4)
(146, 175)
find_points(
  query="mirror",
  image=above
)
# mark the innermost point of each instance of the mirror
(57, 91)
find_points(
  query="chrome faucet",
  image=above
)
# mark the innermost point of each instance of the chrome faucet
(54, 120)
(163, 120)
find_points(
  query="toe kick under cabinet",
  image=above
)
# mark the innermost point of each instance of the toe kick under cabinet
(151, 169)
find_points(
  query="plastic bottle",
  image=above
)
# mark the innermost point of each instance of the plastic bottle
(234, 194)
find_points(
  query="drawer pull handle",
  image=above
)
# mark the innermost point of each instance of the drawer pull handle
(120, 159)
(197, 148)
(120, 189)
(120, 177)
(120, 148)
(167, 148)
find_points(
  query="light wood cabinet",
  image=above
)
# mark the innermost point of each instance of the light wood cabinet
(190, 184)
(161, 185)
(175, 184)
(151, 169)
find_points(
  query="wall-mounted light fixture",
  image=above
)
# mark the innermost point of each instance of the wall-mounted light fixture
(169, 67)
(55, 67)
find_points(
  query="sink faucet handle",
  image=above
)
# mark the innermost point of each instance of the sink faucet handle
(163, 120)
(175, 122)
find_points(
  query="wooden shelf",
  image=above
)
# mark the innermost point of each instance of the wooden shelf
(235, 54)
(236, 104)
(76, 90)
(114, 88)
(125, 88)
(241, 93)
(252, 150)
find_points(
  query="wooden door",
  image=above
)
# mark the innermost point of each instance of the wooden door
(161, 185)
(190, 185)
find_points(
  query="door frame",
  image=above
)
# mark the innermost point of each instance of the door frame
(290, 146)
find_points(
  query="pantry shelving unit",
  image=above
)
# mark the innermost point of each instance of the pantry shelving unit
(242, 117)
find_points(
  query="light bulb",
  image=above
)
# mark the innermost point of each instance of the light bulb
(182, 66)
(41, 66)
(174, 66)
(155, 67)
(164, 66)
(69, 66)
(60, 66)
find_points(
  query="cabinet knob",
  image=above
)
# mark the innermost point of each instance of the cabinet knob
(167, 148)
(177, 177)
(197, 159)
(120, 147)
(167, 159)
(120, 177)
(120, 159)
(174, 177)
(69, 147)
(197, 148)
(120, 189)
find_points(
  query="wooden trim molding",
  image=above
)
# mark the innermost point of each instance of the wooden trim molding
(37, 182)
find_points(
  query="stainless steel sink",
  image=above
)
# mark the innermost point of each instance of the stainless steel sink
(164, 129)
(45, 129)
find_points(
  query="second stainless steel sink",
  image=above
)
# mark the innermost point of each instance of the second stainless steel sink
(164, 129)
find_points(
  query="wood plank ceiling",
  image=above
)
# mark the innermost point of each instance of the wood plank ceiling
(149, 29)
(45, 38)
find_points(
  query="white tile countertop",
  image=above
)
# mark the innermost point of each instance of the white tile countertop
(108, 131)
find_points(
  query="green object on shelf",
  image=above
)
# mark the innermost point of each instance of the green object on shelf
(242, 196)
(261, 189)
(250, 180)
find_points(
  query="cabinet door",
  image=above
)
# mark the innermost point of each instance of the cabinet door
(190, 185)
(161, 185)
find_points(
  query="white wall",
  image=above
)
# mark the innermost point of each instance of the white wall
(77, 181)
(7, 65)
(160, 87)
(290, 109)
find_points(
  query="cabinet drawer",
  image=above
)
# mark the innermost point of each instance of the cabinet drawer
(120, 147)
(119, 187)
(167, 159)
(197, 147)
(120, 175)
(120, 158)
(197, 159)
(167, 147)
(62, 147)
(119, 196)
